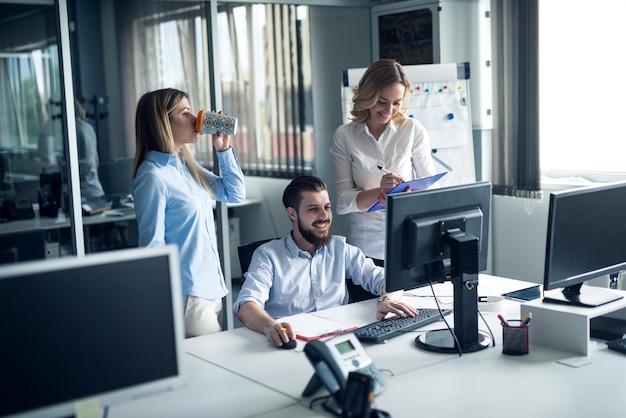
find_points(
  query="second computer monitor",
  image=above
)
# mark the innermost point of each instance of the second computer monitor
(437, 235)
(586, 239)
(419, 226)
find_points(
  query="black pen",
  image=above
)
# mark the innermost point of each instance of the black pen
(383, 170)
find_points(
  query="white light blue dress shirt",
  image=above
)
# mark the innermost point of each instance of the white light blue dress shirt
(402, 148)
(284, 280)
(172, 208)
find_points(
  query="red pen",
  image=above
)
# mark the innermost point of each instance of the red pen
(503, 321)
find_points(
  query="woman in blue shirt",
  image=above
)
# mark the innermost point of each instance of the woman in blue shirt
(173, 200)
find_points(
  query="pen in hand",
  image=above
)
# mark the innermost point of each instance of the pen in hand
(383, 170)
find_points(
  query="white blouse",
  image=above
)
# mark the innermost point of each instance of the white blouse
(402, 148)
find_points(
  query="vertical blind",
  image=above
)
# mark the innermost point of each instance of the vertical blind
(265, 77)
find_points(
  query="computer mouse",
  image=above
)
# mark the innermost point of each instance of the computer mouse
(289, 345)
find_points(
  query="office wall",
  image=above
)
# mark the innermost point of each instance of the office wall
(519, 228)
(340, 38)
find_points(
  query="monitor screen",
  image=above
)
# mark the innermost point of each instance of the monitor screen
(22, 246)
(116, 176)
(586, 239)
(437, 235)
(106, 326)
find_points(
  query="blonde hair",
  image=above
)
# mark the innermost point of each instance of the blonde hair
(79, 110)
(153, 131)
(379, 75)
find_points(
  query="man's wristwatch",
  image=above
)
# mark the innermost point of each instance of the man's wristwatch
(383, 298)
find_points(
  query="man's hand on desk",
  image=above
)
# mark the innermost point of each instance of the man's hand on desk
(391, 303)
(280, 333)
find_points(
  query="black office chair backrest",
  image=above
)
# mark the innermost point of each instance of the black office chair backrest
(245, 253)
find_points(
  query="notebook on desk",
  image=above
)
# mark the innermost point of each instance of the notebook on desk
(94, 205)
(309, 326)
(119, 212)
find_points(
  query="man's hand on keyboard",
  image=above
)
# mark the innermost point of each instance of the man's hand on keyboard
(394, 305)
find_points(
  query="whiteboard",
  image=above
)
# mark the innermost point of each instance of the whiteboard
(440, 101)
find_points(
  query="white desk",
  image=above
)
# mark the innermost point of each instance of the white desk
(210, 392)
(47, 224)
(486, 383)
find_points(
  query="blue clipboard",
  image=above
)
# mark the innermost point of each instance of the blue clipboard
(415, 185)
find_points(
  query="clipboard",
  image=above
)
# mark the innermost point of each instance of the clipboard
(415, 185)
(309, 326)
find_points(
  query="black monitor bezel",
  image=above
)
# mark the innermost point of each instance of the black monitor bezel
(447, 229)
(445, 203)
(585, 240)
(51, 282)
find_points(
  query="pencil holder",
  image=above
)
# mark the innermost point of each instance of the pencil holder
(514, 338)
(212, 123)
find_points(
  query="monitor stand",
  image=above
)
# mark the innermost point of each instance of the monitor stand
(587, 296)
(442, 341)
(465, 337)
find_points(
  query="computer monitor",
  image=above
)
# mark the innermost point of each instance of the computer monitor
(22, 246)
(586, 239)
(116, 178)
(106, 326)
(438, 235)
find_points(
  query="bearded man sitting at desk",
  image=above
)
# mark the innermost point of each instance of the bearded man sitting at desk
(306, 270)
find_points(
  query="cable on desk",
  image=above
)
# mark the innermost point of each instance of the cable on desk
(327, 408)
(456, 340)
(437, 298)
(493, 340)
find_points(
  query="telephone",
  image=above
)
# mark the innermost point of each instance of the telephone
(334, 359)
(15, 209)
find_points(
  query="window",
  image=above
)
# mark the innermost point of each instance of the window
(263, 65)
(580, 76)
(265, 72)
(29, 76)
(31, 132)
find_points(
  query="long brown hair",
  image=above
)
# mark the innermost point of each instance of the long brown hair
(154, 132)
(379, 75)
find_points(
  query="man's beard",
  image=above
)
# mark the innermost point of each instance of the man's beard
(310, 236)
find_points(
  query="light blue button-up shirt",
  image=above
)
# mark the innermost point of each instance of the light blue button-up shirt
(284, 280)
(172, 208)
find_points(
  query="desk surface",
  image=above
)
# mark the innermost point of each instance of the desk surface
(43, 223)
(211, 391)
(46, 224)
(486, 383)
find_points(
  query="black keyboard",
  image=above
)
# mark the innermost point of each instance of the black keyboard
(379, 331)
(121, 211)
(617, 345)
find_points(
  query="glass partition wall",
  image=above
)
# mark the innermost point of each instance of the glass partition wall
(251, 60)
(34, 163)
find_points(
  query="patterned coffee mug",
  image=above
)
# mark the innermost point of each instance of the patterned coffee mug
(212, 123)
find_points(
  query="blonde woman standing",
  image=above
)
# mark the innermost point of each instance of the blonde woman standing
(378, 149)
(173, 200)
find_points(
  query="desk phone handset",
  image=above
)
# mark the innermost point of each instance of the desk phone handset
(334, 359)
